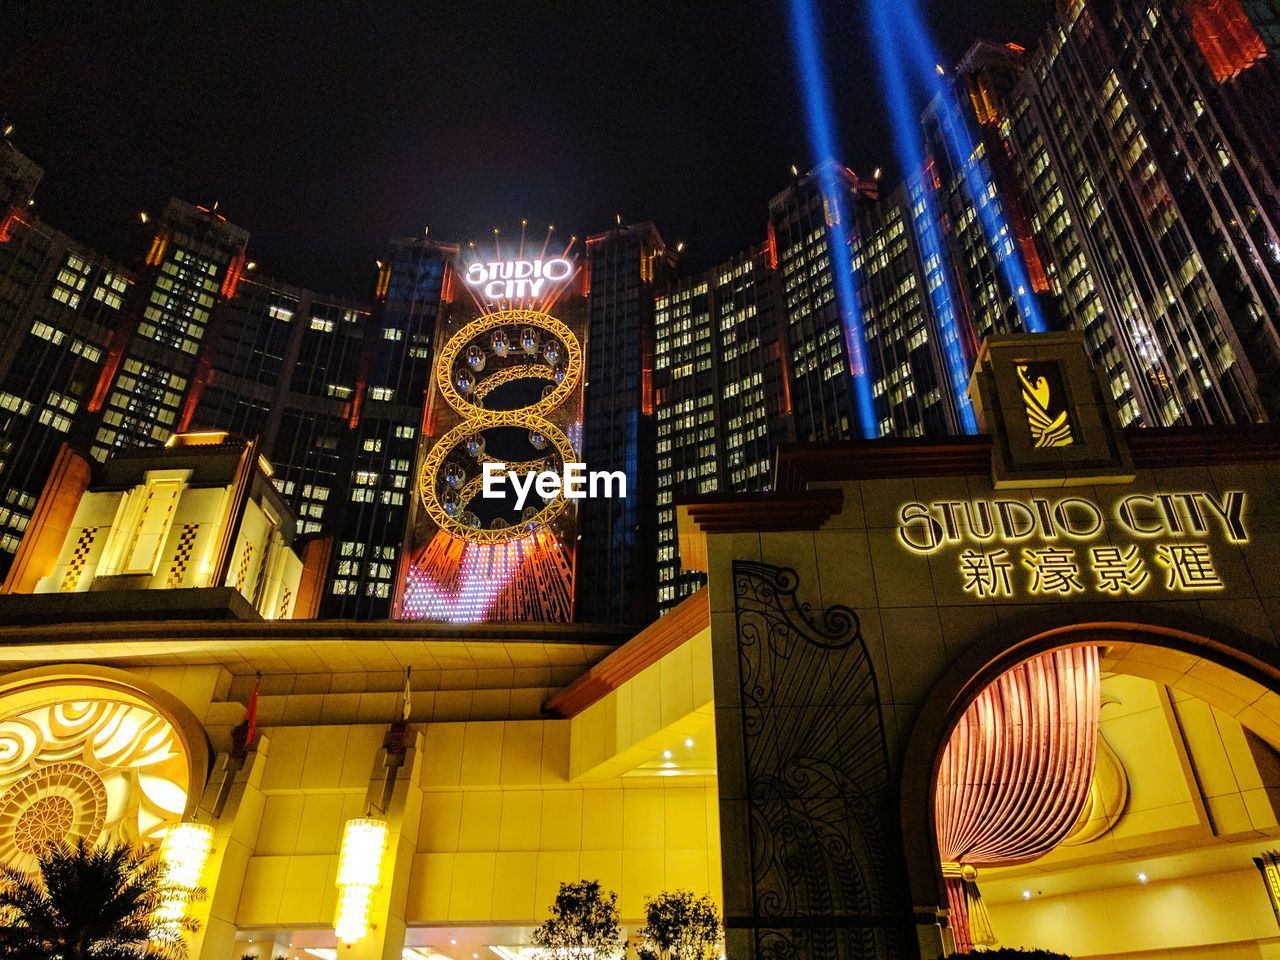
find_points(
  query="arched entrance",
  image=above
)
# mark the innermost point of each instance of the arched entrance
(1186, 664)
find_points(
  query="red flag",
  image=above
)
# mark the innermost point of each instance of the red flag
(251, 716)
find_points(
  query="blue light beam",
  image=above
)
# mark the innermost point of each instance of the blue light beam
(910, 148)
(816, 95)
(909, 28)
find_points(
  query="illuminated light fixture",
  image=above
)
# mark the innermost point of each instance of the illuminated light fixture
(1026, 894)
(688, 742)
(364, 841)
(251, 265)
(196, 438)
(183, 853)
(666, 754)
(1142, 877)
(143, 216)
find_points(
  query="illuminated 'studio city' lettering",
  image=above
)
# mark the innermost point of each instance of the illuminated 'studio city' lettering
(925, 527)
(517, 279)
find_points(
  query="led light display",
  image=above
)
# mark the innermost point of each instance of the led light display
(506, 389)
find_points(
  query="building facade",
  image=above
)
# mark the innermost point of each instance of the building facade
(721, 394)
(780, 741)
(626, 267)
(1118, 180)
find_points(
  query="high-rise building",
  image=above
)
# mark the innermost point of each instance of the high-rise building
(1168, 188)
(59, 303)
(1071, 289)
(913, 386)
(626, 267)
(160, 353)
(721, 394)
(377, 454)
(800, 232)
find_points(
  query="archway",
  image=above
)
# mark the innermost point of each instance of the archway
(88, 752)
(1218, 671)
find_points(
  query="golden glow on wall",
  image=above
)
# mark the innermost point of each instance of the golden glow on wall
(364, 842)
(91, 768)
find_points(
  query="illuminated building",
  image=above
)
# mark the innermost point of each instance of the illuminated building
(1069, 613)
(1140, 131)
(285, 369)
(1047, 231)
(377, 454)
(158, 356)
(198, 516)
(914, 388)
(626, 267)
(720, 394)
(59, 304)
(801, 237)
(506, 394)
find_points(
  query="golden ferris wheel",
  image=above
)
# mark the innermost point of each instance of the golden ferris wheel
(493, 350)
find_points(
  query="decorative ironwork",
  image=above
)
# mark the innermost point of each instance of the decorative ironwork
(817, 778)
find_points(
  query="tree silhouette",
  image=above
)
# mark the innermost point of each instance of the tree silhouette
(583, 924)
(89, 903)
(680, 926)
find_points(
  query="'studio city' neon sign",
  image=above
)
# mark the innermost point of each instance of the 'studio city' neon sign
(517, 279)
(925, 528)
(995, 566)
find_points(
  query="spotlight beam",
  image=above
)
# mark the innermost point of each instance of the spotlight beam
(908, 28)
(909, 143)
(816, 96)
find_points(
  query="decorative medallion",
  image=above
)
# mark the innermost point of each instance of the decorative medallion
(62, 802)
(87, 768)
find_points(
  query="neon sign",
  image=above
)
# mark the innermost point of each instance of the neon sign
(926, 527)
(1063, 569)
(517, 279)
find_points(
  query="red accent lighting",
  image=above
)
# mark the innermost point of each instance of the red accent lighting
(1225, 35)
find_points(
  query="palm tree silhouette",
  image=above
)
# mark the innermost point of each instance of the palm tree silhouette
(89, 903)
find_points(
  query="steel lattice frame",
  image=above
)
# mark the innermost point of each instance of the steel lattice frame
(476, 419)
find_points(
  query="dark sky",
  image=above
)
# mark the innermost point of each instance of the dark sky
(325, 133)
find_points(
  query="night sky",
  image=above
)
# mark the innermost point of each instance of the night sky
(324, 134)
